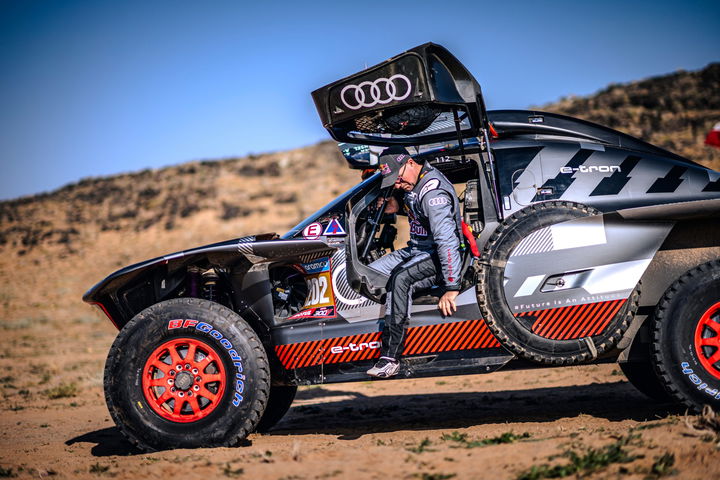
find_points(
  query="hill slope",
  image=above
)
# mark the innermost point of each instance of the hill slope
(54, 246)
(672, 111)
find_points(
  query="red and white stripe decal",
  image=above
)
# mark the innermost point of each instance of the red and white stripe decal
(575, 321)
(443, 337)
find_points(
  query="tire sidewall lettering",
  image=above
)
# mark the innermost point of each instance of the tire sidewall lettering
(222, 340)
(680, 311)
(700, 384)
(239, 350)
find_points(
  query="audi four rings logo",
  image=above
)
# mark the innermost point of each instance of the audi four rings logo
(381, 91)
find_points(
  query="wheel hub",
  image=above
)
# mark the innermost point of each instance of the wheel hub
(183, 381)
(707, 340)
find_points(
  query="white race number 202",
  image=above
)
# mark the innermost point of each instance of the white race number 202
(317, 291)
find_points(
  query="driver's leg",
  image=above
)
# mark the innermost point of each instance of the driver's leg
(416, 272)
(387, 263)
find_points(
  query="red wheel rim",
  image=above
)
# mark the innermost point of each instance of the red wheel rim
(184, 380)
(707, 340)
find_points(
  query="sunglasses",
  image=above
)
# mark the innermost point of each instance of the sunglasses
(400, 178)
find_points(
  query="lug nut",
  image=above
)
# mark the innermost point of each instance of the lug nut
(170, 381)
(173, 389)
(172, 373)
(189, 394)
(178, 367)
(181, 394)
(196, 388)
(198, 379)
(187, 366)
(194, 371)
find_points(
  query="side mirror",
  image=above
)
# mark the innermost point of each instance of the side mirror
(360, 157)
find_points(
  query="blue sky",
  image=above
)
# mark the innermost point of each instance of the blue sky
(90, 88)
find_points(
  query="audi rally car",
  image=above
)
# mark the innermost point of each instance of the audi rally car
(582, 245)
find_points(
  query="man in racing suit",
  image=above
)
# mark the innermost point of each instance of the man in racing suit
(433, 252)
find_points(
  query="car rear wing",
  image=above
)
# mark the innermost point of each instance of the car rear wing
(422, 96)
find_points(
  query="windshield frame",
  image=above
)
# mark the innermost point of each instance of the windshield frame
(337, 204)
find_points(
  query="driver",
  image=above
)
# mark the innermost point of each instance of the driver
(433, 252)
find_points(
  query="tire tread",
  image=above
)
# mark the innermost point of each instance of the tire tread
(263, 373)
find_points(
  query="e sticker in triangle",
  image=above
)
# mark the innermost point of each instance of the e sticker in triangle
(334, 228)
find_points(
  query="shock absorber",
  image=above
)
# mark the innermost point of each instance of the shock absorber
(193, 282)
(210, 285)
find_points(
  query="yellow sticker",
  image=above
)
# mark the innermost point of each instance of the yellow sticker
(320, 292)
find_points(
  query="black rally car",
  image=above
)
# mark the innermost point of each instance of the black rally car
(582, 244)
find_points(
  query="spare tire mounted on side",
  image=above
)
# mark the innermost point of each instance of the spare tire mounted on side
(513, 331)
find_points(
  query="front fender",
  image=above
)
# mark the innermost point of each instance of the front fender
(129, 290)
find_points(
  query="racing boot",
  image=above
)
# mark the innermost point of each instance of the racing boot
(384, 368)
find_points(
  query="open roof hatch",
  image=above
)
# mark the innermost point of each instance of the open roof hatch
(422, 96)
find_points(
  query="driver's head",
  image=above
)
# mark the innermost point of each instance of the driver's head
(399, 168)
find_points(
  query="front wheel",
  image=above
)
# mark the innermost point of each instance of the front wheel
(281, 397)
(687, 337)
(186, 373)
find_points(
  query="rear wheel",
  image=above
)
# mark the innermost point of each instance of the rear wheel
(643, 377)
(687, 337)
(186, 373)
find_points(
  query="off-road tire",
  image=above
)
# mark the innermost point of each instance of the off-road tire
(237, 362)
(281, 397)
(497, 314)
(642, 376)
(682, 366)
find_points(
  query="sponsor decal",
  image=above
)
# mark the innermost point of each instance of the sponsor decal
(322, 312)
(444, 337)
(377, 92)
(438, 201)
(234, 356)
(591, 169)
(303, 314)
(571, 322)
(312, 231)
(334, 228)
(697, 381)
(384, 169)
(322, 265)
(417, 229)
(354, 347)
(400, 158)
(432, 184)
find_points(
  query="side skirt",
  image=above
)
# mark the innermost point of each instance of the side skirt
(439, 365)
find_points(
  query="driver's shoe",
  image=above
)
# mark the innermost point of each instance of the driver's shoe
(384, 368)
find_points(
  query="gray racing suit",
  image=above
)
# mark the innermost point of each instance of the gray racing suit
(432, 256)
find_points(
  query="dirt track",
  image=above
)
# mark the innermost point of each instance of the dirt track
(381, 429)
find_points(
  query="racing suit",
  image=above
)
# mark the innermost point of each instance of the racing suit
(432, 256)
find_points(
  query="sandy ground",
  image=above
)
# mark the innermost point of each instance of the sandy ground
(54, 423)
(429, 429)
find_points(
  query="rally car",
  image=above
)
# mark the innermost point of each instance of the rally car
(581, 245)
